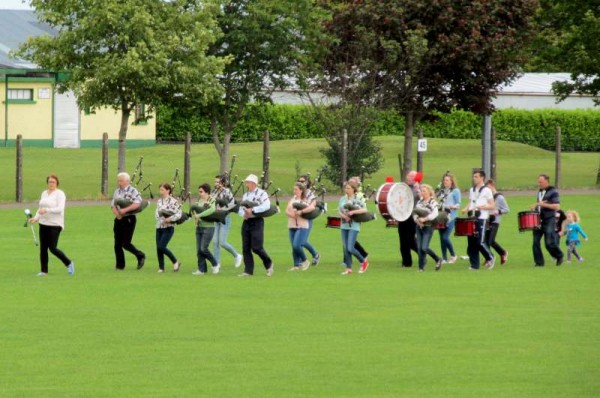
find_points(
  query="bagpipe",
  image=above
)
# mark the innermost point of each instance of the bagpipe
(320, 205)
(437, 223)
(168, 213)
(138, 173)
(362, 217)
(273, 209)
(217, 216)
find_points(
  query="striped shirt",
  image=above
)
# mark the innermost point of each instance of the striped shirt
(129, 193)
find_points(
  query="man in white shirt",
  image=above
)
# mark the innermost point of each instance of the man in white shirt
(253, 228)
(481, 201)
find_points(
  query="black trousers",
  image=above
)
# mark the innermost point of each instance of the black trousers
(491, 239)
(407, 231)
(48, 241)
(548, 231)
(253, 236)
(477, 244)
(123, 231)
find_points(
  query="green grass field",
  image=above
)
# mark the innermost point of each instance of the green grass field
(514, 331)
(80, 169)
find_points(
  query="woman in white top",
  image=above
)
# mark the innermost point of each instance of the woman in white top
(51, 218)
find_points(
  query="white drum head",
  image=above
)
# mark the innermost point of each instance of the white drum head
(400, 201)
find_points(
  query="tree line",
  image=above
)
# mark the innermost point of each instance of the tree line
(214, 58)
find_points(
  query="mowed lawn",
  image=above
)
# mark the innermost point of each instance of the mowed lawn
(514, 331)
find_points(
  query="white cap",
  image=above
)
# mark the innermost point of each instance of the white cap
(252, 178)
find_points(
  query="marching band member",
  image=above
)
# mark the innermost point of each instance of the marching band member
(299, 226)
(450, 202)
(495, 218)
(481, 201)
(312, 199)
(224, 201)
(51, 218)
(205, 231)
(164, 225)
(253, 228)
(407, 229)
(125, 221)
(360, 195)
(424, 232)
(350, 229)
(548, 203)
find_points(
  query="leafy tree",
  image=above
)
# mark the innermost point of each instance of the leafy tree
(121, 53)
(267, 42)
(416, 56)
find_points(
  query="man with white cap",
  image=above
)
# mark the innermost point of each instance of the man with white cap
(253, 228)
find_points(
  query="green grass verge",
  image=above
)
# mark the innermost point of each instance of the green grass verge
(80, 169)
(515, 331)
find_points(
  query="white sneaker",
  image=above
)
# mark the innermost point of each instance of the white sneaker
(197, 272)
(42, 274)
(161, 271)
(270, 270)
(305, 265)
(71, 268)
(238, 260)
(216, 269)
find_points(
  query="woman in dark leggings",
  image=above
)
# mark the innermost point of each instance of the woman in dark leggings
(51, 217)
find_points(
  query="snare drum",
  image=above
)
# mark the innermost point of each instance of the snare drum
(333, 222)
(465, 226)
(394, 201)
(529, 220)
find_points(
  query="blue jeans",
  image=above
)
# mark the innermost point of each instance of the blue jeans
(311, 249)
(298, 238)
(348, 240)
(203, 237)
(163, 237)
(424, 236)
(445, 241)
(220, 239)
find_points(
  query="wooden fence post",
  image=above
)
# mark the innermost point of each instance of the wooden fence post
(266, 160)
(493, 171)
(187, 163)
(19, 187)
(104, 182)
(557, 167)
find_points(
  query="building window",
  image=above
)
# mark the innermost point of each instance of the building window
(20, 94)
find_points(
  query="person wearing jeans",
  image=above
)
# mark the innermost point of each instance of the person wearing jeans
(349, 228)
(426, 210)
(224, 201)
(204, 232)
(449, 198)
(298, 226)
(168, 210)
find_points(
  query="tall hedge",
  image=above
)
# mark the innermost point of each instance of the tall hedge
(580, 128)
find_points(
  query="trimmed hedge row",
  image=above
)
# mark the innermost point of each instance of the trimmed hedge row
(580, 128)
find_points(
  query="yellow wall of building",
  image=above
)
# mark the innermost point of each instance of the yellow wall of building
(32, 120)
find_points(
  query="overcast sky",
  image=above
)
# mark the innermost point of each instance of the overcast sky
(14, 5)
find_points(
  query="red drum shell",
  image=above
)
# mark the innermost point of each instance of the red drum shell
(529, 220)
(465, 226)
(333, 222)
(382, 204)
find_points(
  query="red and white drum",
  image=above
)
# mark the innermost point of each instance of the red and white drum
(333, 222)
(529, 220)
(465, 226)
(439, 225)
(394, 201)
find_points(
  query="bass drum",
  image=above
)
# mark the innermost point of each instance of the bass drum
(395, 201)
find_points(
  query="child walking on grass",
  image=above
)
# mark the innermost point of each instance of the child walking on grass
(573, 230)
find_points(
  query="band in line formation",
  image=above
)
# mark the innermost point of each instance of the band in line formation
(417, 210)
